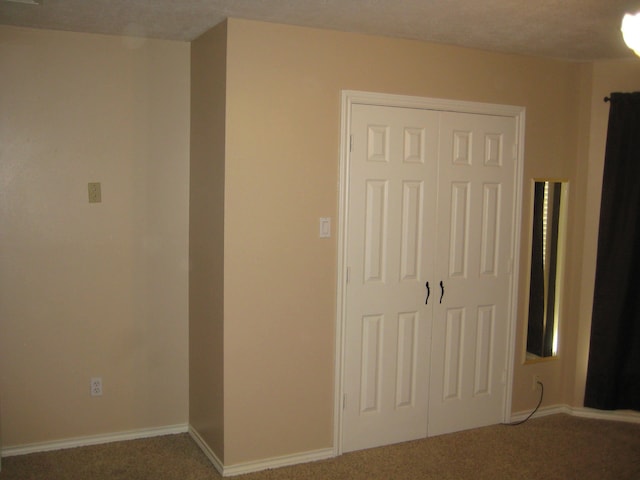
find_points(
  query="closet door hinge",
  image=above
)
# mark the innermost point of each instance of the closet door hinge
(350, 143)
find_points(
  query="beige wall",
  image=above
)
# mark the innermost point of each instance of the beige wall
(92, 289)
(206, 237)
(89, 290)
(283, 114)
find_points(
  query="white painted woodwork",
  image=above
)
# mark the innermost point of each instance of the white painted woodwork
(430, 199)
(392, 170)
(470, 329)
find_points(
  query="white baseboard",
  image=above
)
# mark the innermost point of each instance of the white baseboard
(615, 415)
(542, 412)
(93, 440)
(285, 460)
(213, 458)
(258, 465)
(629, 416)
(277, 462)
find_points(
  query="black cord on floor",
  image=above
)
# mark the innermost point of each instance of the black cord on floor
(534, 410)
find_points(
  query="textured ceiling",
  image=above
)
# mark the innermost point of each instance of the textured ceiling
(565, 29)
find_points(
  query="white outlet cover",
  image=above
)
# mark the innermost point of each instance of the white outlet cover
(96, 386)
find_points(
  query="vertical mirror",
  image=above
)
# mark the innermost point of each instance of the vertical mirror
(547, 255)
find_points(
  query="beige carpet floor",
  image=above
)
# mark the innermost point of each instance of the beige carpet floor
(555, 447)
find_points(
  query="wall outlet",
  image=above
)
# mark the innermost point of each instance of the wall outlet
(534, 384)
(96, 387)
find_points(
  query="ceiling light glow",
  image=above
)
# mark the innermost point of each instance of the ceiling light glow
(631, 31)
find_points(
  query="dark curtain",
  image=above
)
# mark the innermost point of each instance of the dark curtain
(535, 333)
(613, 375)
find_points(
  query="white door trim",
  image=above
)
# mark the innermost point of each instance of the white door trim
(351, 97)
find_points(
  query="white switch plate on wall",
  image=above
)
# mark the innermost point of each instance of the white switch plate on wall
(95, 192)
(325, 227)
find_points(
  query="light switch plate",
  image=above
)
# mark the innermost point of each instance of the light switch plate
(325, 227)
(95, 192)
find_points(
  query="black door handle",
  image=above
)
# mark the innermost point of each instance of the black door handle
(441, 290)
(426, 302)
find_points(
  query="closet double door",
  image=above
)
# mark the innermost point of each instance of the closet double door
(428, 252)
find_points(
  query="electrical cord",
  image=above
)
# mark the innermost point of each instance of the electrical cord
(534, 410)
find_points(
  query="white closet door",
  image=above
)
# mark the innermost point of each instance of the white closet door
(391, 241)
(475, 210)
(430, 199)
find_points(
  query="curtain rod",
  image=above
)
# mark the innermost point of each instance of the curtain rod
(607, 99)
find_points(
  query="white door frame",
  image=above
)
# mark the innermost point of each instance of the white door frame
(351, 97)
